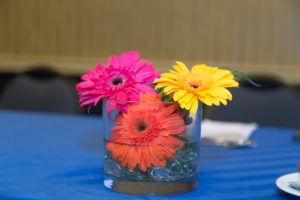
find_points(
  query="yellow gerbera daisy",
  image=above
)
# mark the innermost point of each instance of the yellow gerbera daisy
(204, 83)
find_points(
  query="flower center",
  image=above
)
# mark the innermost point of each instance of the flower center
(117, 81)
(144, 129)
(141, 126)
(194, 85)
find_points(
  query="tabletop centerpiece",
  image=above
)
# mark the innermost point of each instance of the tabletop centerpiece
(152, 121)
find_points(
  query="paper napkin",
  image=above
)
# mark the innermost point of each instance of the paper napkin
(227, 132)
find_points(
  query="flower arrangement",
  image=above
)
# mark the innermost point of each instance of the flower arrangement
(154, 119)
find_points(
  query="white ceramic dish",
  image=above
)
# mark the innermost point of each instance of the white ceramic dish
(283, 183)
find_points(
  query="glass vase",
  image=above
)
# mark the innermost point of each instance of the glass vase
(151, 148)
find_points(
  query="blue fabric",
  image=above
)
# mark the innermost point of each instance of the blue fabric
(48, 156)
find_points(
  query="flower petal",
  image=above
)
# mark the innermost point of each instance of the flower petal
(128, 59)
(180, 67)
(145, 88)
(194, 107)
(178, 94)
(113, 61)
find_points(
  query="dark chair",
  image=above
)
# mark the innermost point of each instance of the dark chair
(5, 78)
(39, 90)
(272, 104)
(296, 89)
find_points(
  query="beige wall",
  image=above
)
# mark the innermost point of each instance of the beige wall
(251, 35)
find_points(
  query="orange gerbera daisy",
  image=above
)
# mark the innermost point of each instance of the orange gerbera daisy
(147, 134)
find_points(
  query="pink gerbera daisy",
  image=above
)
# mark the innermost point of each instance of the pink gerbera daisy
(122, 80)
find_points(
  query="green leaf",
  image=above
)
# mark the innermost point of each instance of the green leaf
(165, 97)
(242, 76)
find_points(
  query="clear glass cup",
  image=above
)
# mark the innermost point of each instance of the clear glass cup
(160, 136)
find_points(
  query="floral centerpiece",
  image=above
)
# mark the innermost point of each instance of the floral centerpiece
(152, 121)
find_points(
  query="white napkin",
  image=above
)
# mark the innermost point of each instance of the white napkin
(227, 131)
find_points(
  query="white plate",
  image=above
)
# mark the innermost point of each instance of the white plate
(283, 183)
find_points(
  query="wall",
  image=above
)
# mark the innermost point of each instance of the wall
(257, 36)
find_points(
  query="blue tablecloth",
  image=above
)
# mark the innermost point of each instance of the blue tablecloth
(48, 156)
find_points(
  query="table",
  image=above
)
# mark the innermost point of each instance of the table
(51, 156)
